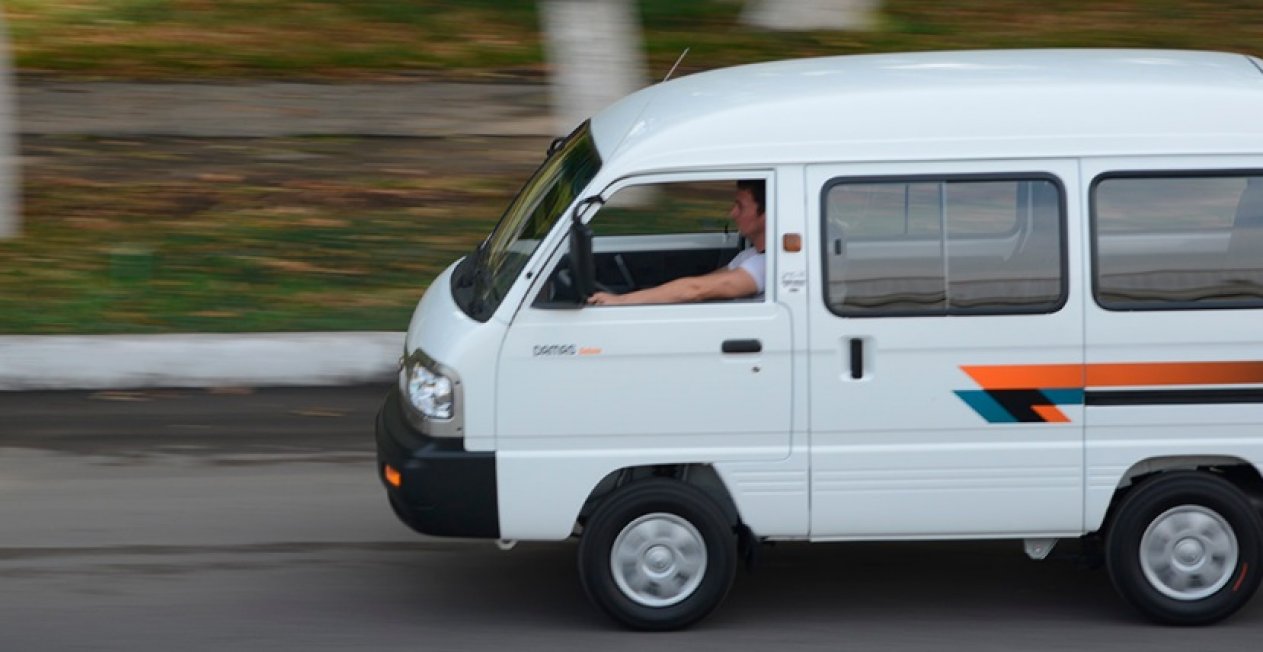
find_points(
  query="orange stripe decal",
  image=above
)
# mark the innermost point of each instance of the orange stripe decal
(1121, 374)
(1175, 373)
(1043, 376)
(1050, 413)
(1031, 393)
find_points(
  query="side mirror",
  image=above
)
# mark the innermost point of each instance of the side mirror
(582, 262)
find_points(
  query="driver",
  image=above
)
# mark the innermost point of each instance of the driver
(739, 279)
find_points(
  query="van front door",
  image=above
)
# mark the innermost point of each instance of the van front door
(946, 350)
(704, 382)
(616, 386)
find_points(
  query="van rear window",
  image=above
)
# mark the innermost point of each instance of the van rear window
(944, 246)
(1165, 241)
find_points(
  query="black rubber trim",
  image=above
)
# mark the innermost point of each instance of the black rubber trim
(1173, 396)
(446, 490)
(1039, 309)
(1156, 305)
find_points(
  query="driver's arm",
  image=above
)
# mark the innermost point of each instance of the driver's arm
(719, 284)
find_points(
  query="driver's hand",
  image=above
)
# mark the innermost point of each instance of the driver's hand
(603, 299)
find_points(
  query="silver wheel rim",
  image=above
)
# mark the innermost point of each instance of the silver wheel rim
(1188, 553)
(658, 560)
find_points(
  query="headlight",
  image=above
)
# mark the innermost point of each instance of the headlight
(426, 390)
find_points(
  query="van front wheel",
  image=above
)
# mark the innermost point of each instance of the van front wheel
(658, 555)
(1185, 549)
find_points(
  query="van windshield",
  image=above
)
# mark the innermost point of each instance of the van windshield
(482, 280)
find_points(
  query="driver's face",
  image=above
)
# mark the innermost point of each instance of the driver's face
(745, 215)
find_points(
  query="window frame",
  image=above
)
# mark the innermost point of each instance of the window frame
(1094, 250)
(1063, 254)
(560, 249)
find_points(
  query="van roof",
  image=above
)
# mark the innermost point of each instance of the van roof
(935, 105)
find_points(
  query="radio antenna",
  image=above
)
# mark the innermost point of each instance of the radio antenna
(677, 64)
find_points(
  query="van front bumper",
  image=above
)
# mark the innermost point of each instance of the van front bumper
(443, 490)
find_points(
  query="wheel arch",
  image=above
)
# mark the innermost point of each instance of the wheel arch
(701, 476)
(1241, 473)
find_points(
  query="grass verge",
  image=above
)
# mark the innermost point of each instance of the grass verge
(235, 235)
(488, 39)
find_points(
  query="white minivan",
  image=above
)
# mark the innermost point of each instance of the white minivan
(1007, 295)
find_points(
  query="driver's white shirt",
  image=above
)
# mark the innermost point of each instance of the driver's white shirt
(754, 262)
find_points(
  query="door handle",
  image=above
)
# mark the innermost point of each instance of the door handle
(742, 346)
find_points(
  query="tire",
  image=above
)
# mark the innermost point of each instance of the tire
(658, 555)
(1185, 548)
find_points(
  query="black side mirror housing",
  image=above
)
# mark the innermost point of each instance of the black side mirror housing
(582, 261)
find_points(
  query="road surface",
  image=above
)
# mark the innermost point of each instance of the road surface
(252, 520)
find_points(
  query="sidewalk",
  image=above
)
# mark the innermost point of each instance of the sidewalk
(424, 109)
(196, 360)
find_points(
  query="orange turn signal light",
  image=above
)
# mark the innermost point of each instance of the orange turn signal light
(792, 242)
(392, 476)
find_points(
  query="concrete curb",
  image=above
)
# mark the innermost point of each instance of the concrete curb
(196, 360)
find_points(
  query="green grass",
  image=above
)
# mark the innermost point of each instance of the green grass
(162, 235)
(480, 39)
(153, 39)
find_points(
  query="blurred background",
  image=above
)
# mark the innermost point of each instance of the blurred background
(310, 165)
(245, 166)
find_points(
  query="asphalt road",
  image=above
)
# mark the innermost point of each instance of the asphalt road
(192, 520)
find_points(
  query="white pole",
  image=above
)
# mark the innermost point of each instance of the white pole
(594, 49)
(10, 208)
(805, 15)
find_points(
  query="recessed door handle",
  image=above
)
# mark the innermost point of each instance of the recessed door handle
(742, 346)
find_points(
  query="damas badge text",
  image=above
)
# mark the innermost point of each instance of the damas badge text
(563, 350)
(554, 350)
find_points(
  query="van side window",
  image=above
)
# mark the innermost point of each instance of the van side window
(1171, 242)
(666, 208)
(944, 246)
(647, 235)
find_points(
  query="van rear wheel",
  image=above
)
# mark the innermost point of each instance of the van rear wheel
(1185, 548)
(658, 555)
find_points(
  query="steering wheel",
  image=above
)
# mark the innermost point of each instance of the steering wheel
(626, 273)
(563, 277)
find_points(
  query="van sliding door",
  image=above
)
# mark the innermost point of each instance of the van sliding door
(946, 351)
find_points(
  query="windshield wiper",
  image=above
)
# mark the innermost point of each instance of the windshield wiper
(472, 265)
(480, 274)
